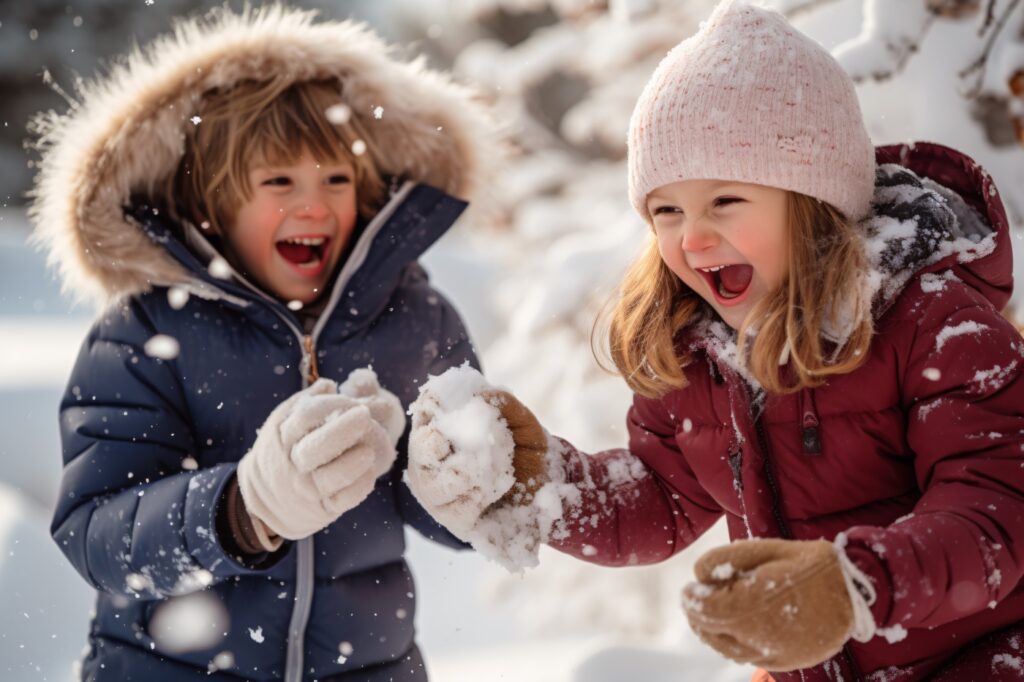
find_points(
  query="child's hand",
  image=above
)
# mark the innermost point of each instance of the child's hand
(384, 406)
(472, 448)
(779, 604)
(317, 455)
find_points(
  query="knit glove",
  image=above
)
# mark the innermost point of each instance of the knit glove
(458, 488)
(318, 455)
(779, 604)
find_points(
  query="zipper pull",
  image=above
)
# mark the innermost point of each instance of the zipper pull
(810, 435)
(310, 370)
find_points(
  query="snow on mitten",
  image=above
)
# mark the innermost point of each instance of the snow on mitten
(460, 451)
(478, 463)
(779, 604)
(385, 408)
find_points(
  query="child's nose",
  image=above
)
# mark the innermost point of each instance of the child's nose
(697, 236)
(311, 207)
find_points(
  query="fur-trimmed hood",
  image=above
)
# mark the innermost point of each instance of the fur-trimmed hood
(124, 134)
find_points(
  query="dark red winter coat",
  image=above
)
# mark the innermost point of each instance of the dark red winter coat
(923, 470)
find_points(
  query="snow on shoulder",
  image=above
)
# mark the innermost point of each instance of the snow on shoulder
(461, 467)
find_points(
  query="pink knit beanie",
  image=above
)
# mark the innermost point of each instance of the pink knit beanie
(751, 99)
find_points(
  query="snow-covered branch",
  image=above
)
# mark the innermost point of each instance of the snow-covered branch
(794, 8)
(891, 33)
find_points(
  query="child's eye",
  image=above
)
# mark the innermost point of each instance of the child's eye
(279, 181)
(663, 210)
(339, 179)
(725, 201)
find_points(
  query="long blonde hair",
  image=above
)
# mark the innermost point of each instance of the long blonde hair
(269, 121)
(821, 290)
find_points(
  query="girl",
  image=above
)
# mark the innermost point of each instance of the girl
(814, 341)
(248, 199)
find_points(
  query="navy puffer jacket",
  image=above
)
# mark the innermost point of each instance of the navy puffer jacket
(150, 443)
(151, 439)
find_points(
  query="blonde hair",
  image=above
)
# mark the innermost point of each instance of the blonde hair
(823, 281)
(271, 122)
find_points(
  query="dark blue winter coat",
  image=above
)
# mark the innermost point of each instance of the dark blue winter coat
(150, 443)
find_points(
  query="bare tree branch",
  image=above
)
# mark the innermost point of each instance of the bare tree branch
(978, 65)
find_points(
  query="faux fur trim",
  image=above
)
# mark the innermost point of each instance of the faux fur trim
(124, 134)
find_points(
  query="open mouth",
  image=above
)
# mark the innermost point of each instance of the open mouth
(306, 253)
(728, 282)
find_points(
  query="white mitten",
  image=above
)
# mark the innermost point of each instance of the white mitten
(460, 451)
(317, 455)
(385, 408)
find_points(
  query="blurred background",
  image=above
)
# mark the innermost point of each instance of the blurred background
(564, 75)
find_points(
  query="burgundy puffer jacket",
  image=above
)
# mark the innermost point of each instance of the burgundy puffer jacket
(918, 455)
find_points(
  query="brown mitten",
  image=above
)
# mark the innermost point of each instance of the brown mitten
(779, 604)
(531, 445)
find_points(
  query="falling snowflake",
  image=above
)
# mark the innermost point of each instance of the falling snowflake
(219, 268)
(177, 297)
(338, 114)
(163, 347)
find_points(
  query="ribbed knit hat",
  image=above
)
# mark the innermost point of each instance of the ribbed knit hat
(751, 99)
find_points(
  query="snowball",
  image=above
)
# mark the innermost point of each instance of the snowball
(358, 147)
(295, 305)
(931, 374)
(460, 465)
(459, 447)
(162, 346)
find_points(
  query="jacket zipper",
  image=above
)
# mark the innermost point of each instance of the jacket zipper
(762, 440)
(309, 364)
(305, 554)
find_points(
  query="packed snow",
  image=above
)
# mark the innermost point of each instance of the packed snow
(460, 468)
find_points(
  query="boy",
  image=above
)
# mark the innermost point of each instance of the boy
(247, 200)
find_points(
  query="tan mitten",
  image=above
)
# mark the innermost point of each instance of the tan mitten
(531, 446)
(778, 604)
